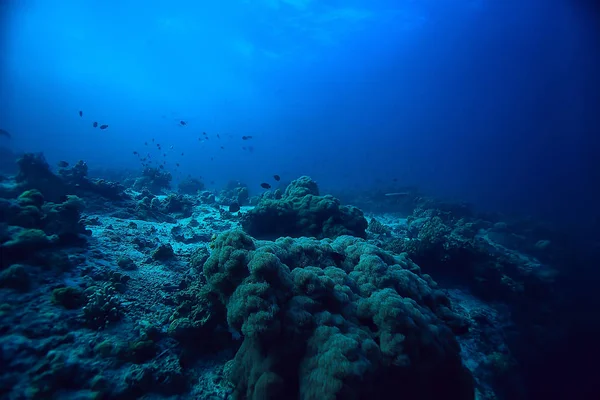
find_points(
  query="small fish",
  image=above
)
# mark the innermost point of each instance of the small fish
(212, 159)
(103, 126)
(277, 177)
(181, 153)
(204, 133)
(5, 133)
(162, 167)
(63, 164)
(146, 143)
(177, 164)
(222, 148)
(218, 137)
(171, 147)
(95, 124)
(246, 137)
(234, 207)
(136, 153)
(152, 140)
(182, 123)
(265, 185)
(80, 113)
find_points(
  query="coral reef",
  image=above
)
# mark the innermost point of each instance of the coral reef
(34, 173)
(133, 291)
(153, 179)
(359, 329)
(234, 192)
(301, 211)
(34, 226)
(190, 186)
(450, 241)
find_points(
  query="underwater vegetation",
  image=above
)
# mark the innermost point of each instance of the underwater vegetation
(128, 290)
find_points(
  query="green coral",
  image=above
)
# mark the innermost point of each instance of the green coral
(368, 323)
(28, 240)
(303, 212)
(15, 277)
(31, 197)
(141, 351)
(378, 228)
(68, 297)
(103, 306)
(64, 219)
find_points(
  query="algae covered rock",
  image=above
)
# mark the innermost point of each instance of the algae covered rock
(163, 252)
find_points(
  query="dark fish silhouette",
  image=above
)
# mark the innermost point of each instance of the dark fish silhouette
(182, 123)
(103, 126)
(80, 113)
(95, 124)
(234, 207)
(277, 177)
(63, 164)
(265, 185)
(5, 133)
(246, 137)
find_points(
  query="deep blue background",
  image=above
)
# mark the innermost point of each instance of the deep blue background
(492, 102)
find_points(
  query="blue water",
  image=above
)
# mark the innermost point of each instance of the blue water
(490, 101)
(486, 101)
